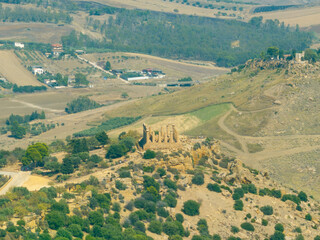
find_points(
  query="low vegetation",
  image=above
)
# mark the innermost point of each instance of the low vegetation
(81, 104)
(108, 125)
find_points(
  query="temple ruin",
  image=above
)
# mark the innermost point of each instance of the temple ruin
(166, 138)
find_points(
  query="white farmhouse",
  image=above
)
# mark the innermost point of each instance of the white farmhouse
(19, 45)
(36, 70)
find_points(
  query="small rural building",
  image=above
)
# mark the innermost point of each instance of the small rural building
(299, 57)
(57, 49)
(18, 45)
(137, 78)
(37, 70)
(153, 72)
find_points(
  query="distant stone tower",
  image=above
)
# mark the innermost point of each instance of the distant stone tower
(166, 138)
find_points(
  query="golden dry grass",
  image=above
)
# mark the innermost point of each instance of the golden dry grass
(12, 69)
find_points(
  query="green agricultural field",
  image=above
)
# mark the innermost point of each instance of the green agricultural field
(213, 111)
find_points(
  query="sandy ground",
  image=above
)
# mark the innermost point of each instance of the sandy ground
(36, 182)
(14, 72)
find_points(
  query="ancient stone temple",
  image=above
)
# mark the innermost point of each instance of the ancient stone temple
(166, 138)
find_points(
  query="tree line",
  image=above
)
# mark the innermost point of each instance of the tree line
(19, 14)
(190, 37)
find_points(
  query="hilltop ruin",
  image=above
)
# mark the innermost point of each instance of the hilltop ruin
(166, 138)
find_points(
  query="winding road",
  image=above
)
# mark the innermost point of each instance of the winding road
(265, 154)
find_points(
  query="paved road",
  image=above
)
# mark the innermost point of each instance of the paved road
(17, 179)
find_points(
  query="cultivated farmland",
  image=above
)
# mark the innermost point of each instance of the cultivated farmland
(12, 69)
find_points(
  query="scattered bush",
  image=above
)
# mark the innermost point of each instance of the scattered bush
(235, 229)
(267, 210)
(155, 226)
(264, 222)
(149, 154)
(247, 226)
(238, 205)
(237, 193)
(308, 217)
(179, 217)
(198, 179)
(191, 208)
(279, 227)
(214, 187)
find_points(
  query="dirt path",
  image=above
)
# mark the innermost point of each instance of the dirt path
(227, 130)
(17, 179)
(265, 154)
(36, 106)
(100, 68)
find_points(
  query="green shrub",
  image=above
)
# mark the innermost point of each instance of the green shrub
(149, 154)
(238, 205)
(264, 222)
(238, 193)
(179, 217)
(303, 196)
(247, 226)
(235, 229)
(308, 217)
(81, 104)
(170, 200)
(162, 212)
(124, 174)
(120, 185)
(198, 179)
(155, 226)
(170, 184)
(214, 187)
(62, 232)
(298, 230)
(203, 227)
(279, 227)
(148, 169)
(317, 237)
(173, 228)
(162, 172)
(277, 236)
(249, 188)
(139, 226)
(191, 208)
(267, 210)
(291, 197)
(299, 237)
(216, 237)
(75, 230)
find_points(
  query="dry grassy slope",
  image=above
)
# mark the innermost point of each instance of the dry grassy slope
(243, 91)
(274, 117)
